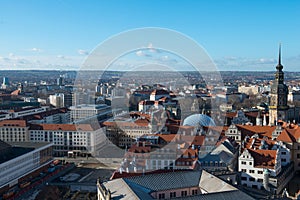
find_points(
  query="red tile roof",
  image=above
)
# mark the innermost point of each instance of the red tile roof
(18, 123)
(261, 130)
(263, 158)
(62, 127)
(287, 136)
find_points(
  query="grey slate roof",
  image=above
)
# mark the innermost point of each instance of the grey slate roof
(120, 190)
(221, 156)
(212, 184)
(229, 146)
(167, 181)
(141, 187)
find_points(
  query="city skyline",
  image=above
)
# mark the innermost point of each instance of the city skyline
(237, 35)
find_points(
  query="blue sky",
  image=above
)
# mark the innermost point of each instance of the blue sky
(236, 34)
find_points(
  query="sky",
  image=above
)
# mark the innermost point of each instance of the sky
(237, 35)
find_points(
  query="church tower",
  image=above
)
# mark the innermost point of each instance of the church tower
(278, 107)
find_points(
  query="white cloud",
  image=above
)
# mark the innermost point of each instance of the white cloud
(34, 49)
(82, 52)
(139, 53)
(40, 62)
(153, 49)
(267, 61)
(256, 64)
(61, 57)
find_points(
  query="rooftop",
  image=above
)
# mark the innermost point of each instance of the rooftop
(141, 186)
(14, 123)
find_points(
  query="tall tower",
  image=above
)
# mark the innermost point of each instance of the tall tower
(278, 98)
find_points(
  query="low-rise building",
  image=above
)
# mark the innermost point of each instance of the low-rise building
(14, 131)
(18, 159)
(81, 138)
(168, 185)
(222, 158)
(265, 164)
(84, 111)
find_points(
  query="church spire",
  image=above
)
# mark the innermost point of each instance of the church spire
(279, 67)
(279, 57)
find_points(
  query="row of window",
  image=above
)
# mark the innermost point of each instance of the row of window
(251, 171)
(245, 163)
(260, 180)
(173, 194)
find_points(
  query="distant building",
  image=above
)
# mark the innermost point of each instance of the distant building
(124, 132)
(159, 93)
(60, 81)
(89, 110)
(57, 100)
(294, 96)
(21, 113)
(68, 100)
(55, 116)
(5, 83)
(98, 88)
(253, 89)
(79, 98)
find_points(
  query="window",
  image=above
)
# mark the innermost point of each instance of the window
(194, 192)
(244, 163)
(183, 193)
(259, 172)
(260, 180)
(283, 160)
(251, 179)
(244, 178)
(161, 196)
(244, 170)
(283, 153)
(172, 194)
(298, 155)
(251, 171)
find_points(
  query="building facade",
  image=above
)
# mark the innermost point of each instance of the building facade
(81, 138)
(25, 158)
(14, 131)
(84, 111)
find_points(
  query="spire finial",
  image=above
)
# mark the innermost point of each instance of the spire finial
(279, 57)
